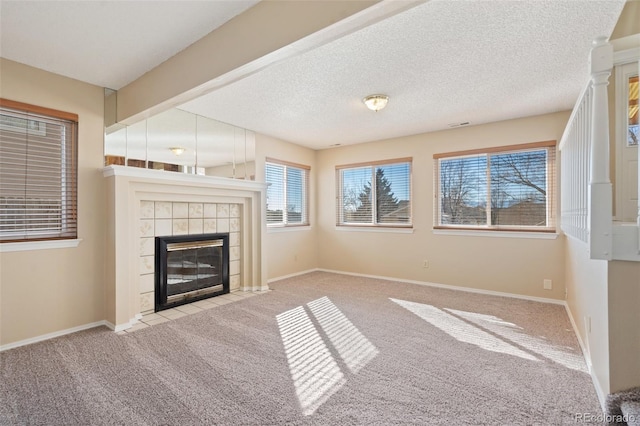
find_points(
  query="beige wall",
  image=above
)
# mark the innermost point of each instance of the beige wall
(606, 295)
(46, 291)
(624, 324)
(513, 265)
(587, 294)
(628, 23)
(291, 250)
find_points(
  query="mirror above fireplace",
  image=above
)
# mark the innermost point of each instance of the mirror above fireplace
(180, 141)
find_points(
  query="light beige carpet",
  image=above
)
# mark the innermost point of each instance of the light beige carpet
(322, 349)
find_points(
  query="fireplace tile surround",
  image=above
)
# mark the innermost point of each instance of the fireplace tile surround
(166, 218)
(145, 203)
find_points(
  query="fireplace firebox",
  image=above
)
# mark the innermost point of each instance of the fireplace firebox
(190, 268)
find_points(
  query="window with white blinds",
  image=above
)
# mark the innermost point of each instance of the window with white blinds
(374, 194)
(38, 173)
(287, 193)
(506, 188)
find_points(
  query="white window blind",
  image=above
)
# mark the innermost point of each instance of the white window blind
(507, 188)
(287, 193)
(376, 194)
(38, 173)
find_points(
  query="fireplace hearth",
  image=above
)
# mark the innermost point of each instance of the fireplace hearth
(190, 268)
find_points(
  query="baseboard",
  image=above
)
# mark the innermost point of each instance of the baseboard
(54, 334)
(450, 287)
(587, 358)
(253, 289)
(583, 347)
(121, 327)
(295, 274)
(601, 396)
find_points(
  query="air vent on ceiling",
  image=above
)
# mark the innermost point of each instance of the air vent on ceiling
(454, 125)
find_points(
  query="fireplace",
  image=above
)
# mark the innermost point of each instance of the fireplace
(190, 268)
(144, 204)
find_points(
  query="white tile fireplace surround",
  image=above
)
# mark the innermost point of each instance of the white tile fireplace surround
(146, 203)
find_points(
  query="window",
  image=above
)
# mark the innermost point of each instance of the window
(287, 193)
(633, 124)
(38, 170)
(508, 188)
(374, 194)
(626, 142)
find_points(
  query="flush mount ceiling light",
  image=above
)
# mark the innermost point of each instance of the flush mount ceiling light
(376, 102)
(177, 150)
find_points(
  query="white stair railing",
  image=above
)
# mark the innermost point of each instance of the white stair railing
(587, 193)
(575, 148)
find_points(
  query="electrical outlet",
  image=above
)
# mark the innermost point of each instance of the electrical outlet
(425, 264)
(547, 284)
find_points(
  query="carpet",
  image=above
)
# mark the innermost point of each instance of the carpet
(623, 408)
(319, 349)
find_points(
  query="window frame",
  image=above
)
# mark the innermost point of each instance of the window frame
(625, 208)
(340, 222)
(68, 188)
(551, 173)
(306, 170)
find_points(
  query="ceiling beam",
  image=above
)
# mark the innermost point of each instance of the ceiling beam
(267, 33)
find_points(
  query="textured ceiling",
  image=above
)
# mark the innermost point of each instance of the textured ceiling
(106, 43)
(441, 62)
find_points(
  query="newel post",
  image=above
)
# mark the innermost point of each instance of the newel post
(600, 189)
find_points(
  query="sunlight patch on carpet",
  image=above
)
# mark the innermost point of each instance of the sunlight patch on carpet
(461, 330)
(355, 350)
(315, 372)
(563, 356)
(316, 375)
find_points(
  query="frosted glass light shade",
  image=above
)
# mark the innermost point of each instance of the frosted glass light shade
(376, 102)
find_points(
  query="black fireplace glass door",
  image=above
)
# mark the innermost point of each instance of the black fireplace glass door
(190, 268)
(193, 269)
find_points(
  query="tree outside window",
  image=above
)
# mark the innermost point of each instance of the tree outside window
(376, 194)
(506, 188)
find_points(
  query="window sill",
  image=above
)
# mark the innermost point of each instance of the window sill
(398, 230)
(38, 245)
(277, 229)
(498, 234)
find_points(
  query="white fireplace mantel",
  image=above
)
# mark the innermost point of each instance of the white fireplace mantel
(127, 187)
